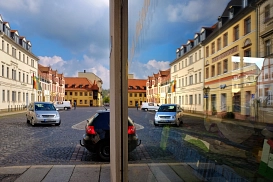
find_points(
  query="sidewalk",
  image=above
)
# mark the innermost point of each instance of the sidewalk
(161, 172)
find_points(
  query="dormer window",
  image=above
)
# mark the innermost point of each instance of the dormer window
(219, 22)
(80, 86)
(130, 88)
(73, 86)
(245, 3)
(231, 12)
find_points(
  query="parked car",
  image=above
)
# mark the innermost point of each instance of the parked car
(149, 106)
(97, 135)
(42, 113)
(65, 105)
(169, 114)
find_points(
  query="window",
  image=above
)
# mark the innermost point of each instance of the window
(195, 78)
(247, 25)
(3, 95)
(7, 72)
(266, 13)
(90, 93)
(140, 95)
(207, 73)
(76, 93)
(225, 66)
(182, 82)
(247, 53)
(195, 56)
(207, 51)
(212, 71)
(27, 79)
(218, 44)
(267, 47)
(23, 77)
(13, 96)
(19, 76)
(213, 48)
(85, 93)
(225, 40)
(199, 99)
(130, 95)
(191, 80)
(191, 100)
(174, 68)
(3, 68)
(191, 61)
(219, 71)
(8, 95)
(135, 94)
(236, 33)
(80, 93)
(200, 78)
(200, 54)
(70, 93)
(8, 48)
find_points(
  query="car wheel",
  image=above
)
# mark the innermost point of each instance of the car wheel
(28, 120)
(32, 122)
(146, 109)
(103, 150)
(65, 108)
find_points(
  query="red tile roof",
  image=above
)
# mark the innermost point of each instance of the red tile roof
(137, 85)
(74, 83)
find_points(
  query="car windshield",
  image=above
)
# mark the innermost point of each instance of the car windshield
(44, 107)
(169, 108)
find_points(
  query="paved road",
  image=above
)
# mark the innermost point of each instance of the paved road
(196, 142)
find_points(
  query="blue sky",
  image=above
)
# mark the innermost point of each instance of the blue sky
(72, 36)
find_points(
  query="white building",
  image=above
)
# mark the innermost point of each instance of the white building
(18, 65)
(187, 72)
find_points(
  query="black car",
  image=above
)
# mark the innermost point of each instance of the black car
(97, 135)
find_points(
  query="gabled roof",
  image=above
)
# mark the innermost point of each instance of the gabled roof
(138, 85)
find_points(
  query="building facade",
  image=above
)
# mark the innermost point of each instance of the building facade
(18, 66)
(52, 84)
(136, 92)
(187, 75)
(82, 91)
(97, 81)
(228, 61)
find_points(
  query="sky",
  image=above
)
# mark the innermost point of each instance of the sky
(73, 36)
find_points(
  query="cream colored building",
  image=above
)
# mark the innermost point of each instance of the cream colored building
(227, 53)
(96, 80)
(18, 65)
(187, 75)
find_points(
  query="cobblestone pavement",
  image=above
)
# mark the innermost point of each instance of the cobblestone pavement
(22, 144)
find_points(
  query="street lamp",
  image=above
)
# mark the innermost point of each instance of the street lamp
(206, 96)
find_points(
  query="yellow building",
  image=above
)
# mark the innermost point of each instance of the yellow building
(82, 91)
(228, 63)
(136, 92)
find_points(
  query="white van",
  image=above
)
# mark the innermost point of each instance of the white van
(149, 106)
(62, 105)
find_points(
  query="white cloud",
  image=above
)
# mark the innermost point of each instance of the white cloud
(31, 6)
(143, 70)
(70, 68)
(195, 10)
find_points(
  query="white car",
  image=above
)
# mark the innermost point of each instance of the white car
(63, 105)
(149, 106)
(42, 113)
